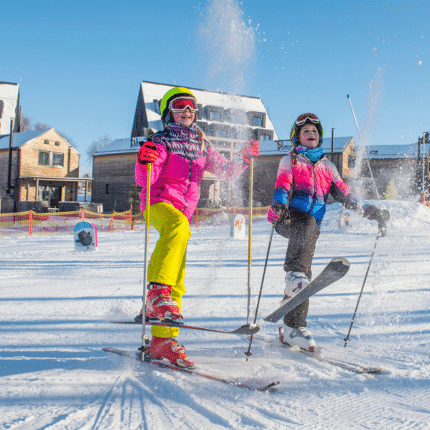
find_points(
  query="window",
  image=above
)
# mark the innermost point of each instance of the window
(257, 122)
(44, 158)
(213, 113)
(351, 161)
(214, 116)
(221, 132)
(256, 119)
(107, 189)
(57, 143)
(58, 159)
(264, 134)
(46, 141)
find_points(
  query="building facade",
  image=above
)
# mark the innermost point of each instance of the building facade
(39, 170)
(9, 107)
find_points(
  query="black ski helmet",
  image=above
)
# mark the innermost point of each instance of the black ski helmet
(305, 118)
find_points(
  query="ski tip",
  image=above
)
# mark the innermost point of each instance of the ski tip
(341, 260)
(248, 329)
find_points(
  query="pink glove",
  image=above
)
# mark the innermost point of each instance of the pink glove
(272, 216)
(250, 149)
(147, 153)
(278, 214)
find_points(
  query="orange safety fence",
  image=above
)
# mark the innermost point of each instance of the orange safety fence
(30, 222)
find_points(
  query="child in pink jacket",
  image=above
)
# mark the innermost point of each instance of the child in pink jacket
(180, 154)
(305, 179)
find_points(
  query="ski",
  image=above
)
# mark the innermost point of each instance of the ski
(247, 329)
(347, 365)
(336, 269)
(237, 382)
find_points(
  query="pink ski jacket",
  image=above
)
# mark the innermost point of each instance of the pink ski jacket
(178, 171)
(312, 183)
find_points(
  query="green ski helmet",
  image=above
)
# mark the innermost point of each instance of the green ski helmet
(171, 95)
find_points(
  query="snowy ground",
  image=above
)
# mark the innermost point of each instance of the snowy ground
(56, 304)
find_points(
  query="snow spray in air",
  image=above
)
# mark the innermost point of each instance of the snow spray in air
(227, 52)
(227, 46)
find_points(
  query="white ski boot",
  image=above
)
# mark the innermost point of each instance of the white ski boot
(298, 337)
(295, 282)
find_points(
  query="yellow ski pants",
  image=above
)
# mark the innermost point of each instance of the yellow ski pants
(167, 263)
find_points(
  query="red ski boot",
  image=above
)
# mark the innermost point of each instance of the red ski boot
(160, 305)
(169, 348)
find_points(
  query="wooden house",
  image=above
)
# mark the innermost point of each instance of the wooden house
(39, 169)
(340, 150)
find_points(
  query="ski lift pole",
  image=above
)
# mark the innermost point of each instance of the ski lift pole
(361, 143)
(145, 269)
(248, 353)
(251, 192)
(380, 233)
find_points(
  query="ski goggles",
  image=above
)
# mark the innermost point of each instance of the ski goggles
(307, 117)
(181, 103)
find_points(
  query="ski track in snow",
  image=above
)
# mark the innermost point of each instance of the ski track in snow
(56, 304)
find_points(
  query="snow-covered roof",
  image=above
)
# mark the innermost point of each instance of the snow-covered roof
(282, 147)
(21, 138)
(151, 93)
(121, 146)
(376, 152)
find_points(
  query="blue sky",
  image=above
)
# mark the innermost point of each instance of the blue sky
(79, 63)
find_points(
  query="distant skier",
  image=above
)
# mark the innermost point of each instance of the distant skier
(304, 180)
(180, 155)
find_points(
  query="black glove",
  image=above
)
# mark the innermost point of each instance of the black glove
(382, 216)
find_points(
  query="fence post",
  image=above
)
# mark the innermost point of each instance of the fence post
(197, 217)
(131, 220)
(83, 214)
(111, 220)
(30, 224)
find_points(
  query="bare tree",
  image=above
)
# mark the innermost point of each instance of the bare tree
(40, 126)
(26, 125)
(97, 145)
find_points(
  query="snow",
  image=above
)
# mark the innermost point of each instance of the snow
(56, 306)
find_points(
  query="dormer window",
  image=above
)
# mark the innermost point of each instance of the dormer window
(213, 113)
(257, 122)
(257, 119)
(214, 116)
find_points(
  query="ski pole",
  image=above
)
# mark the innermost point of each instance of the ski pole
(380, 233)
(248, 353)
(251, 190)
(145, 269)
(361, 147)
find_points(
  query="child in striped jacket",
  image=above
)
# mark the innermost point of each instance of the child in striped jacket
(304, 181)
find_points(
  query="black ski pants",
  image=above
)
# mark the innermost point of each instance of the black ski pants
(303, 233)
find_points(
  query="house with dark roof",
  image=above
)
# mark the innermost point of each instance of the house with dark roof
(341, 150)
(402, 164)
(39, 169)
